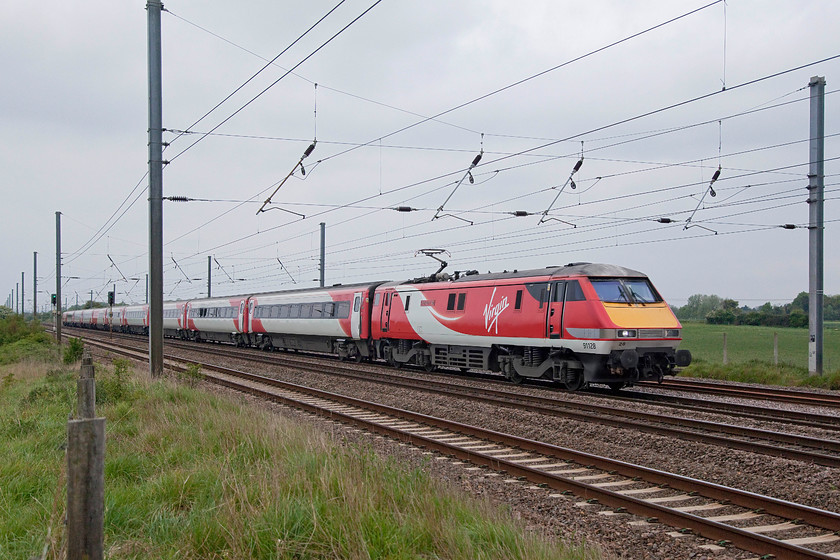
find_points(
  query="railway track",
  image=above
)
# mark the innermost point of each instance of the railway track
(746, 392)
(796, 447)
(725, 515)
(809, 418)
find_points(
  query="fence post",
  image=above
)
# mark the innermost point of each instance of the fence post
(776, 348)
(86, 389)
(725, 356)
(85, 489)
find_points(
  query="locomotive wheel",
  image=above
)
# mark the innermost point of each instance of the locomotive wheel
(575, 382)
(514, 378)
(429, 366)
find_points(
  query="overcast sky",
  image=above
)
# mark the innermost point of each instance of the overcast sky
(74, 105)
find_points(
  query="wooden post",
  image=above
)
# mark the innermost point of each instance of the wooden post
(725, 356)
(776, 348)
(85, 489)
(86, 389)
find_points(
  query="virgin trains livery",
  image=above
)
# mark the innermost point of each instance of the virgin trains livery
(576, 324)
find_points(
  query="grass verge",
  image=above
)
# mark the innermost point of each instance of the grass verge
(193, 475)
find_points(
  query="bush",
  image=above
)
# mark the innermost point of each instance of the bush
(721, 317)
(74, 350)
(192, 375)
(112, 388)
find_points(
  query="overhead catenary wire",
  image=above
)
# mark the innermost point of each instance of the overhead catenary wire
(531, 77)
(258, 72)
(571, 137)
(275, 82)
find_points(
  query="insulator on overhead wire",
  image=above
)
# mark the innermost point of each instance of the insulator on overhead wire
(404, 209)
(308, 150)
(520, 213)
(476, 160)
(665, 220)
(577, 166)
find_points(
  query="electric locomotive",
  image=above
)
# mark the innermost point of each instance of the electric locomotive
(576, 324)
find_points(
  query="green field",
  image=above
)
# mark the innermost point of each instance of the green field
(750, 353)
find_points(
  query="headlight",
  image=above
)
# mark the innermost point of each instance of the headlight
(625, 333)
(672, 333)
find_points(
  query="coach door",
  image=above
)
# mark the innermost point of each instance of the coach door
(356, 315)
(555, 309)
(243, 316)
(385, 317)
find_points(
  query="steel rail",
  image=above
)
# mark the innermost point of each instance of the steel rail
(778, 395)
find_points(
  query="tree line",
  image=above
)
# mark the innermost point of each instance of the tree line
(716, 310)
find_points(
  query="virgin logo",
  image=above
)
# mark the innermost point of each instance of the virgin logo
(492, 312)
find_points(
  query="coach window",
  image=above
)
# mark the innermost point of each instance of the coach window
(317, 310)
(329, 309)
(294, 312)
(450, 303)
(357, 303)
(518, 304)
(306, 311)
(376, 299)
(284, 311)
(342, 309)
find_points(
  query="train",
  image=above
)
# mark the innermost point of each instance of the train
(575, 325)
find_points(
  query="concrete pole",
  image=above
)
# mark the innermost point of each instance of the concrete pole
(209, 259)
(34, 285)
(22, 298)
(153, 9)
(17, 298)
(816, 198)
(323, 233)
(58, 277)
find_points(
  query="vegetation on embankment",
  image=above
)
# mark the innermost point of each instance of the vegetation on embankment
(21, 340)
(190, 474)
(750, 354)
